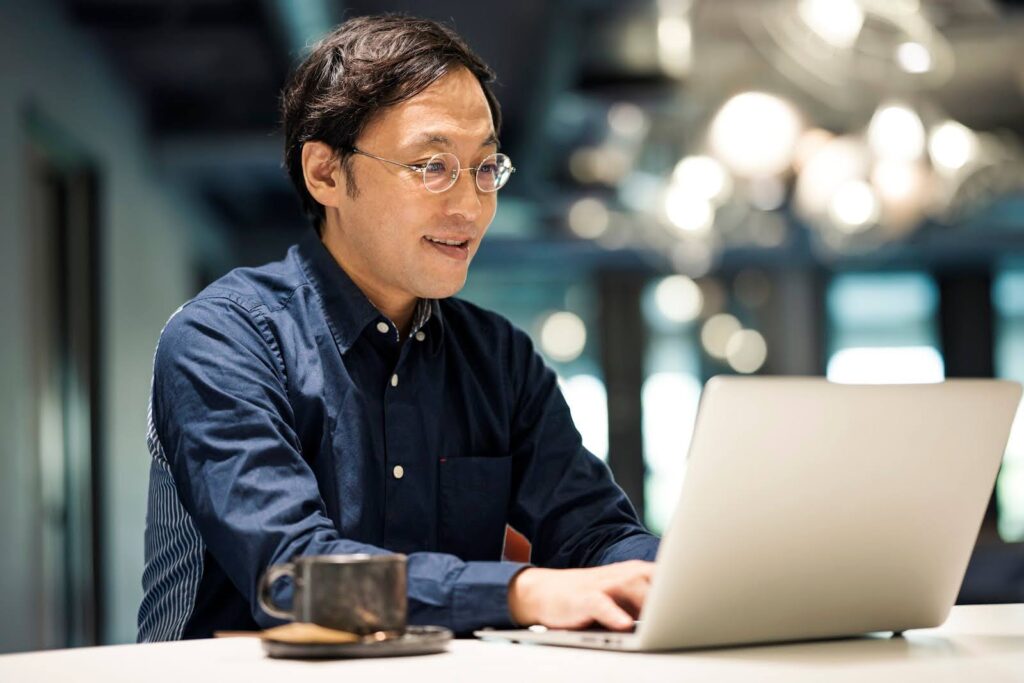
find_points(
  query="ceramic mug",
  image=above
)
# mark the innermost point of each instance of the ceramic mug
(361, 594)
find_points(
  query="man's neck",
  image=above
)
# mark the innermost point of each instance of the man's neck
(398, 308)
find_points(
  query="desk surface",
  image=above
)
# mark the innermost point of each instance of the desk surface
(977, 643)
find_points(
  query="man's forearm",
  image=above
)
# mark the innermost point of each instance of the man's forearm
(463, 596)
(442, 590)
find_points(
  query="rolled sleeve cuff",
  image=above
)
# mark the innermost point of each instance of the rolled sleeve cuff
(480, 597)
(638, 547)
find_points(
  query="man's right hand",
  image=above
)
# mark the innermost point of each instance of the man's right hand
(611, 595)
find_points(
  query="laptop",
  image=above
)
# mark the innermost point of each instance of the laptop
(814, 510)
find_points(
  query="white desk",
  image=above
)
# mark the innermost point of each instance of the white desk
(978, 644)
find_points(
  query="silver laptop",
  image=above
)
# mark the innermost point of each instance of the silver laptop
(817, 510)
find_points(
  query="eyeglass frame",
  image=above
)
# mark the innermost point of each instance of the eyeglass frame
(422, 169)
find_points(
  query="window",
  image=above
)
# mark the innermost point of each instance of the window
(588, 402)
(1008, 300)
(882, 329)
(669, 398)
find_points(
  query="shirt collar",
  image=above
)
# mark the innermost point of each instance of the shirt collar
(347, 308)
(433, 325)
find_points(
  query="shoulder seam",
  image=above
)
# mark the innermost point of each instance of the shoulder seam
(246, 304)
(268, 337)
(256, 312)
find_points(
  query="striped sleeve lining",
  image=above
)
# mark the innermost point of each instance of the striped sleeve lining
(174, 554)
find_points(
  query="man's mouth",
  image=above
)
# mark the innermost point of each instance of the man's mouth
(457, 249)
(450, 243)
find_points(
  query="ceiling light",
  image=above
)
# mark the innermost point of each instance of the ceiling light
(687, 210)
(703, 176)
(914, 58)
(755, 134)
(896, 132)
(854, 206)
(952, 145)
(837, 22)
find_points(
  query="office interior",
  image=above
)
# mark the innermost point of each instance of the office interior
(760, 187)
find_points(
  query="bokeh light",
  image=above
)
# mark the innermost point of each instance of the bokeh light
(589, 218)
(854, 206)
(563, 336)
(746, 351)
(755, 134)
(678, 299)
(687, 210)
(704, 177)
(837, 22)
(896, 132)
(914, 58)
(716, 333)
(952, 145)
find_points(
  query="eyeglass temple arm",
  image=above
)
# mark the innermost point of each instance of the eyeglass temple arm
(418, 169)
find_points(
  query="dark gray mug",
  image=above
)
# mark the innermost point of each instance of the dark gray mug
(361, 594)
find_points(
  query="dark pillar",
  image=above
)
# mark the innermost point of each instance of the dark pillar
(794, 323)
(966, 324)
(623, 345)
(967, 334)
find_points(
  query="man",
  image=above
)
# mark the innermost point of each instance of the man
(338, 401)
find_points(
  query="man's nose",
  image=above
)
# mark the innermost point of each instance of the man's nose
(463, 198)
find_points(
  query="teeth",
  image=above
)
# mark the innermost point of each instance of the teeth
(450, 243)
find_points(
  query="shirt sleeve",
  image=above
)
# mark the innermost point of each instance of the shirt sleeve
(221, 411)
(566, 501)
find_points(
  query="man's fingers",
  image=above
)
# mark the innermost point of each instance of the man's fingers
(631, 593)
(629, 607)
(612, 596)
(629, 584)
(607, 613)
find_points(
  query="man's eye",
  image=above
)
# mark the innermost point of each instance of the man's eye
(436, 167)
(491, 169)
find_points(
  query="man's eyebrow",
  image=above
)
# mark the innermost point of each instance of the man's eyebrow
(426, 139)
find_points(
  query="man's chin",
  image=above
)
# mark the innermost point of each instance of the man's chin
(441, 289)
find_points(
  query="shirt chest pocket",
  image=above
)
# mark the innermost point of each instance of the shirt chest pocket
(474, 505)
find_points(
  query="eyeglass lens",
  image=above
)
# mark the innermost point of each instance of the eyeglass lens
(442, 170)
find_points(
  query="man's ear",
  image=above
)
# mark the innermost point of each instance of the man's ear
(321, 170)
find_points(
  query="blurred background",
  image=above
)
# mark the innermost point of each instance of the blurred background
(814, 187)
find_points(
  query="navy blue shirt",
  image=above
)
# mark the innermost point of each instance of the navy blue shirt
(289, 418)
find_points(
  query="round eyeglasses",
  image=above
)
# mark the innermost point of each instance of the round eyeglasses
(442, 170)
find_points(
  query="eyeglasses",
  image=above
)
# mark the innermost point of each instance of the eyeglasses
(442, 170)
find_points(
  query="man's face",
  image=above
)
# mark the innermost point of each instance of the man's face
(386, 233)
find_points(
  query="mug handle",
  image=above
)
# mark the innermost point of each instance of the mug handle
(273, 573)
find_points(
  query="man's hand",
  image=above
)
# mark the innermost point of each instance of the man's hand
(611, 595)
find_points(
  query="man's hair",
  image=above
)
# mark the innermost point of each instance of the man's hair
(363, 66)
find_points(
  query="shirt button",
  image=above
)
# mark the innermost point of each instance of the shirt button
(420, 336)
(398, 472)
(382, 327)
(394, 380)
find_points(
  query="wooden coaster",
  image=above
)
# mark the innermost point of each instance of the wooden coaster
(298, 632)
